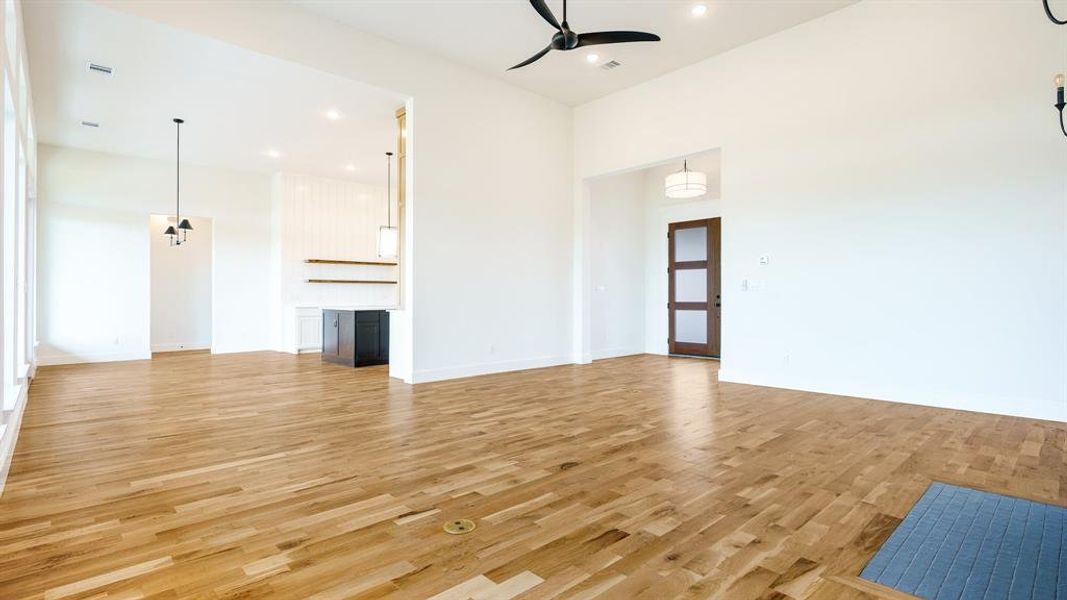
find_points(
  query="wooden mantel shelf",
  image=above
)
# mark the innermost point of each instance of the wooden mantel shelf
(349, 281)
(327, 261)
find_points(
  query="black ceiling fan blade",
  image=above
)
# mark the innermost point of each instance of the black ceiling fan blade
(533, 58)
(615, 37)
(542, 9)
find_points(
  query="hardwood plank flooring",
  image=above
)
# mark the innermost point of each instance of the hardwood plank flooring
(267, 475)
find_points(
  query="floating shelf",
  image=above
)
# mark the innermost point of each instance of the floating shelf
(326, 261)
(348, 281)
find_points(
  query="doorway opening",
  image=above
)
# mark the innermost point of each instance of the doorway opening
(181, 285)
(652, 268)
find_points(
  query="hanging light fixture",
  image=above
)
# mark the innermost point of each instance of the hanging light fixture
(178, 236)
(388, 236)
(1057, 82)
(686, 183)
(1060, 104)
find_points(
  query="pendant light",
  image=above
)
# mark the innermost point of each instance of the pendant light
(388, 236)
(178, 236)
(686, 183)
(1058, 82)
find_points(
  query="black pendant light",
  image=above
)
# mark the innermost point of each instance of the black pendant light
(178, 236)
(1058, 81)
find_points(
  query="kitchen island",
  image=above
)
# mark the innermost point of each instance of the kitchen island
(355, 337)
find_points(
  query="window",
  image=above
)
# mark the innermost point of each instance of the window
(8, 353)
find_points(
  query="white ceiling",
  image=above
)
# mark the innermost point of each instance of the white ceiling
(237, 104)
(492, 35)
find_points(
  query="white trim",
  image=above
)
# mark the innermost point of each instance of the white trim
(10, 433)
(1030, 408)
(428, 375)
(617, 352)
(68, 358)
(179, 347)
(241, 349)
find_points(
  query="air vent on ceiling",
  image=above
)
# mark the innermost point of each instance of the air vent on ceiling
(103, 70)
(611, 64)
(90, 124)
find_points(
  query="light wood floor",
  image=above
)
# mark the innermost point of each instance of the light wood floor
(272, 476)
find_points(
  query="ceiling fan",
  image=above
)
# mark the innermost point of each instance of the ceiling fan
(565, 39)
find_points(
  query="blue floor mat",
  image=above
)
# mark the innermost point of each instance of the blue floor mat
(965, 544)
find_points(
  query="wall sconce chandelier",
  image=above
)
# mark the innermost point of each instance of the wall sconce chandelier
(178, 236)
(388, 236)
(1058, 81)
(1060, 104)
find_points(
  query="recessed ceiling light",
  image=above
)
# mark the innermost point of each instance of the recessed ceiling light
(592, 58)
(273, 153)
(699, 10)
(333, 115)
(350, 168)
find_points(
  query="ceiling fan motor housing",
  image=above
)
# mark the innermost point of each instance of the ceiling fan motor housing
(565, 39)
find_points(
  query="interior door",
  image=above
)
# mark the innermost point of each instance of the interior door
(694, 271)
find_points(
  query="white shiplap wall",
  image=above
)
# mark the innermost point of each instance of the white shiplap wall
(316, 217)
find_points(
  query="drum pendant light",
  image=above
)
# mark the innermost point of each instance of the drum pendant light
(686, 183)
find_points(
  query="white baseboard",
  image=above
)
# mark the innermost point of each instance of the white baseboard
(428, 375)
(11, 434)
(1029, 408)
(70, 358)
(617, 352)
(243, 349)
(179, 347)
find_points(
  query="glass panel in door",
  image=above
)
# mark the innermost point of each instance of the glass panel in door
(691, 285)
(691, 244)
(691, 326)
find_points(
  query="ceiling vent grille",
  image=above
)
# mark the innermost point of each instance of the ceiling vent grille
(103, 70)
(90, 124)
(611, 64)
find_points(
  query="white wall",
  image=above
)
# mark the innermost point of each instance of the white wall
(94, 282)
(901, 165)
(324, 218)
(180, 293)
(489, 200)
(331, 219)
(617, 253)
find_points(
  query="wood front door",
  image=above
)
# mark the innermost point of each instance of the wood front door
(695, 289)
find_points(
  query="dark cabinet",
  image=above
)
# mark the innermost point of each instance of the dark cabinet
(355, 338)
